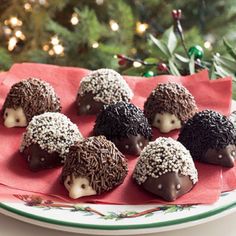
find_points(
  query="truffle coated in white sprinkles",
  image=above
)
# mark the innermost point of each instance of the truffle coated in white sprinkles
(53, 132)
(162, 156)
(106, 85)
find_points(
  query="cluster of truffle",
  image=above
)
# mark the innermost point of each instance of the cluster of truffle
(96, 165)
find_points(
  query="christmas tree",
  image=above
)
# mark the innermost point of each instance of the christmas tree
(88, 33)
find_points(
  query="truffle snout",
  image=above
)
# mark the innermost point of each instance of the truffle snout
(78, 187)
(14, 118)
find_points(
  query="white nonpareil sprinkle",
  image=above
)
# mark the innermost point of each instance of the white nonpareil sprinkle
(106, 85)
(162, 156)
(53, 132)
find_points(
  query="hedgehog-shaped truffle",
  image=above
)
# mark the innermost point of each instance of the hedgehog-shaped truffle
(210, 137)
(47, 140)
(101, 87)
(93, 166)
(26, 99)
(169, 106)
(166, 169)
(125, 125)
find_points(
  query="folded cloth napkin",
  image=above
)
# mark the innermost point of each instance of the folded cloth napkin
(15, 174)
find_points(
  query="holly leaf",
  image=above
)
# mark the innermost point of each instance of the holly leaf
(171, 209)
(229, 64)
(229, 48)
(171, 39)
(78, 207)
(220, 71)
(151, 60)
(173, 68)
(162, 46)
(150, 214)
(109, 217)
(181, 58)
(192, 65)
(129, 213)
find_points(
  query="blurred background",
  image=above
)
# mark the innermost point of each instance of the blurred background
(89, 33)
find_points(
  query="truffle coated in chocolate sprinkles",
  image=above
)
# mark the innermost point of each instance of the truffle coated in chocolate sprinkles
(99, 161)
(207, 129)
(34, 96)
(107, 85)
(53, 132)
(120, 120)
(162, 156)
(172, 98)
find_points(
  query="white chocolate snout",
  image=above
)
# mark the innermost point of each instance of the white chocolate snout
(166, 122)
(14, 117)
(78, 187)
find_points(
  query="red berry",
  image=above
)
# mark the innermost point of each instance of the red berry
(122, 62)
(176, 14)
(179, 14)
(162, 67)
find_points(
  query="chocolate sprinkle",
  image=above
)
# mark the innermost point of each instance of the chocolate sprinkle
(172, 98)
(120, 120)
(34, 96)
(106, 85)
(98, 160)
(207, 129)
(162, 156)
(53, 132)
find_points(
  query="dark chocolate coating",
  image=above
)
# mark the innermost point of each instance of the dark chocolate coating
(83, 101)
(224, 157)
(124, 124)
(98, 160)
(39, 159)
(172, 98)
(208, 134)
(135, 144)
(173, 185)
(34, 96)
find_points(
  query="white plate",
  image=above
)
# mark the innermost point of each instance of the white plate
(102, 219)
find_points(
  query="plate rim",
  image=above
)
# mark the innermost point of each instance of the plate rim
(197, 217)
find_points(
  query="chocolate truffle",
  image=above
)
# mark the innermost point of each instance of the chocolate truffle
(101, 87)
(26, 99)
(47, 140)
(169, 106)
(210, 137)
(125, 125)
(166, 169)
(93, 166)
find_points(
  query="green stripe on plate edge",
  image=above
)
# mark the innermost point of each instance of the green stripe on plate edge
(120, 227)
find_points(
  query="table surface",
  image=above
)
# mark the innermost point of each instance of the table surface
(219, 227)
